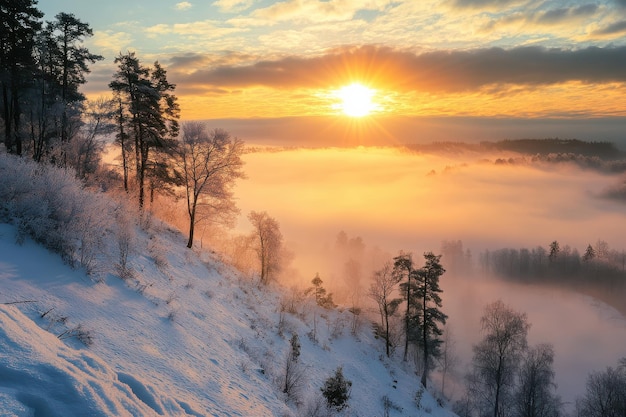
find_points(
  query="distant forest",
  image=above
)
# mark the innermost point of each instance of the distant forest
(599, 271)
(555, 146)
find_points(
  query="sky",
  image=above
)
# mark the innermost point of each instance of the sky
(436, 69)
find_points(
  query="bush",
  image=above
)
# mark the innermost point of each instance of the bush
(49, 205)
(336, 390)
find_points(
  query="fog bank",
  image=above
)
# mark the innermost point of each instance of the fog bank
(388, 200)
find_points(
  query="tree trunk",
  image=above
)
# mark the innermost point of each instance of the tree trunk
(143, 164)
(424, 336)
(406, 317)
(16, 124)
(7, 118)
(192, 223)
(387, 343)
(496, 405)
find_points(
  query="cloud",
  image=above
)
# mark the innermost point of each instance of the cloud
(184, 5)
(569, 18)
(203, 29)
(318, 10)
(475, 4)
(233, 6)
(437, 71)
(111, 42)
(566, 13)
(585, 10)
(612, 29)
(192, 61)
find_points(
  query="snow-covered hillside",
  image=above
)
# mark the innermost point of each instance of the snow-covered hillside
(185, 335)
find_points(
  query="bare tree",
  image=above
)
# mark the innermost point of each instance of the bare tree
(85, 150)
(268, 242)
(605, 395)
(535, 396)
(381, 291)
(211, 162)
(497, 358)
(448, 359)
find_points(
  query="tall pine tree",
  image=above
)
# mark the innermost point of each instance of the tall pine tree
(427, 292)
(19, 23)
(403, 270)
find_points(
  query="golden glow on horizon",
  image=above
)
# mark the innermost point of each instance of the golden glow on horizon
(356, 100)
(558, 100)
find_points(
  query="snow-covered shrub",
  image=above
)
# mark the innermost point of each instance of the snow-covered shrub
(336, 326)
(389, 405)
(125, 240)
(418, 398)
(314, 406)
(49, 205)
(157, 252)
(293, 379)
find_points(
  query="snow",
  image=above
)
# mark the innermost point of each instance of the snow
(184, 336)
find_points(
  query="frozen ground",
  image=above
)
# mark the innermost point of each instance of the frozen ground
(184, 336)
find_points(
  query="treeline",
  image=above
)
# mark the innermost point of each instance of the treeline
(555, 146)
(42, 67)
(597, 264)
(599, 271)
(603, 150)
(610, 166)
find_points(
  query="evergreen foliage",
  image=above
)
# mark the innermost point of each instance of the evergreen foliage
(403, 270)
(427, 292)
(147, 117)
(323, 298)
(336, 390)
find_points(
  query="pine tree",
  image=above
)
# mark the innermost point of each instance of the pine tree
(322, 297)
(68, 33)
(590, 254)
(148, 114)
(403, 269)
(19, 24)
(555, 249)
(336, 390)
(427, 291)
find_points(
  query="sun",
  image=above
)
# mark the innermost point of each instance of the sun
(356, 100)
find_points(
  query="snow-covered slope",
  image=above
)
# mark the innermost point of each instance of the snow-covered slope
(185, 335)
